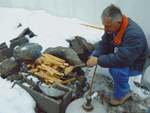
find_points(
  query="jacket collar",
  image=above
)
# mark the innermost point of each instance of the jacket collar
(122, 29)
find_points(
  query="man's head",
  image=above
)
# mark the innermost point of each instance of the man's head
(111, 19)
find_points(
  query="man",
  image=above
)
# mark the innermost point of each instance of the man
(123, 49)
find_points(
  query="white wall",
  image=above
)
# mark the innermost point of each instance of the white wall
(5, 3)
(87, 10)
(138, 10)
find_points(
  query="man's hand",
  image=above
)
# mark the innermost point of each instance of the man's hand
(92, 61)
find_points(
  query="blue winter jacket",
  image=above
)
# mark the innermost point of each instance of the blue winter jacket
(132, 51)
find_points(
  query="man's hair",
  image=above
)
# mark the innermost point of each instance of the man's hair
(113, 12)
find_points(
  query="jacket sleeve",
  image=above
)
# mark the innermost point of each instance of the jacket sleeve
(101, 48)
(127, 53)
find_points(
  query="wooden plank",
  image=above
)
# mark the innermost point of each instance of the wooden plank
(55, 67)
(38, 62)
(54, 71)
(93, 26)
(55, 58)
(69, 80)
(46, 68)
(33, 70)
(43, 75)
(60, 77)
(49, 82)
(57, 76)
(66, 64)
(50, 61)
(62, 67)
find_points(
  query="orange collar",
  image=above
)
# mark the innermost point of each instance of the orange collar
(122, 29)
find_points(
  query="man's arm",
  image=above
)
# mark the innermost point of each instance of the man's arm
(101, 50)
(127, 53)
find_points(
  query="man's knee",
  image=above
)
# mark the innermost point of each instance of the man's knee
(119, 73)
(114, 71)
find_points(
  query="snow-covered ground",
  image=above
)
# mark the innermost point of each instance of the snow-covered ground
(51, 31)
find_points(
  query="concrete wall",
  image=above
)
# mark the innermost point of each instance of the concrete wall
(87, 10)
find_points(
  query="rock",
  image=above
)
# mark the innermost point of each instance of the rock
(15, 76)
(82, 47)
(27, 31)
(9, 67)
(18, 41)
(78, 70)
(82, 42)
(6, 53)
(94, 46)
(79, 85)
(19, 25)
(28, 52)
(75, 46)
(3, 46)
(65, 53)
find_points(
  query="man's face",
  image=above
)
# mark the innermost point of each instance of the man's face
(110, 27)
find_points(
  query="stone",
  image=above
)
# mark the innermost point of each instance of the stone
(19, 25)
(28, 52)
(3, 47)
(84, 44)
(94, 46)
(82, 47)
(2, 44)
(65, 53)
(8, 67)
(75, 46)
(6, 53)
(18, 42)
(15, 76)
(78, 92)
(27, 31)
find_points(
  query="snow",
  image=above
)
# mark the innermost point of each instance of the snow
(136, 89)
(15, 100)
(24, 48)
(51, 31)
(33, 78)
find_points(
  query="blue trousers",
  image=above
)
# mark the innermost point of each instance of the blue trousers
(121, 77)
